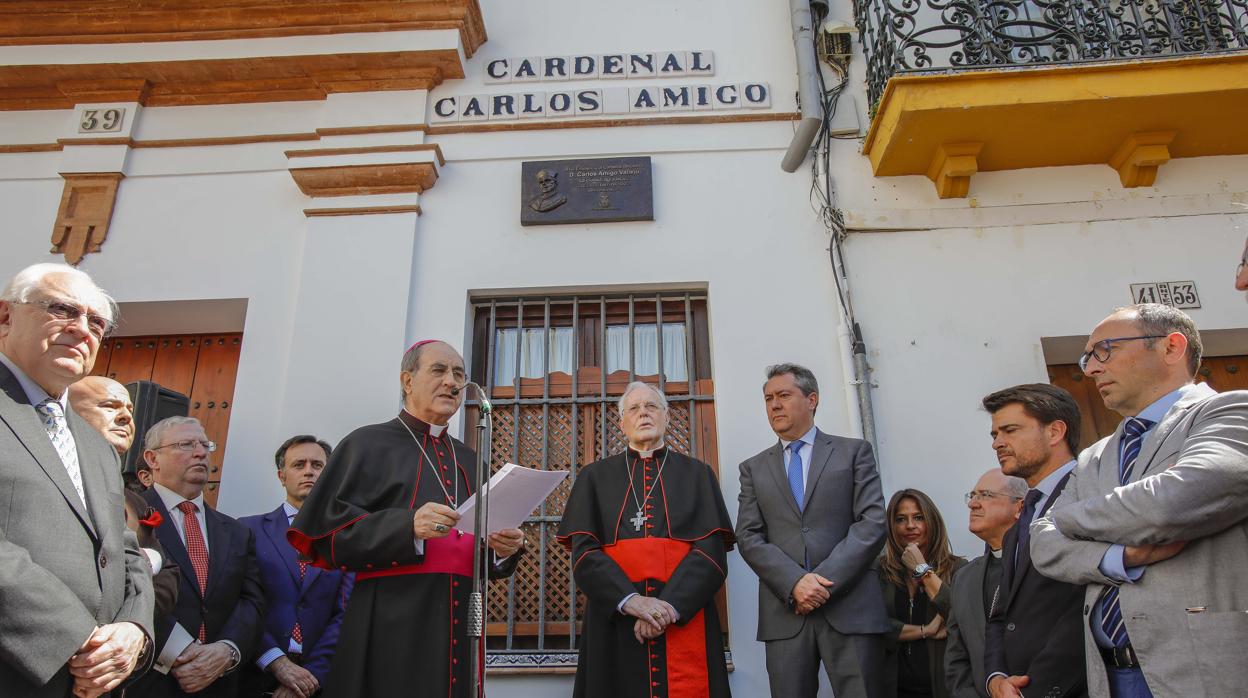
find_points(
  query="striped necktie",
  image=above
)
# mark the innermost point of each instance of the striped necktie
(1133, 431)
(53, 415)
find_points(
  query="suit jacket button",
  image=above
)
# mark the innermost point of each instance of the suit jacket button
(805, 529)
(103, 560)
(1009, 626)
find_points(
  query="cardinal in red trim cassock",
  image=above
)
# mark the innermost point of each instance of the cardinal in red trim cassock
(649, 536)
(384, 508)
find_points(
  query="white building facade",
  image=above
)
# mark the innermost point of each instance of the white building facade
(334, 195)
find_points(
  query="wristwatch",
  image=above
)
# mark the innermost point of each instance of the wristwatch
(921, 570)
(235, 657)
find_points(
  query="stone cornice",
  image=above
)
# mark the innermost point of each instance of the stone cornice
(124, 21)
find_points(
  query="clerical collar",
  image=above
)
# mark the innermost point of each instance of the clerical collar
(996, 553)
(653, 453)
(421, 426)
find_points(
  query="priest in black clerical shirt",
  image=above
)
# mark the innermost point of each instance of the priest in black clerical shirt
(649, 535)
(384, 508)
(994, 505)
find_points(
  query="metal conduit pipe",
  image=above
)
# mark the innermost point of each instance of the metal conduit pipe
(808, 92)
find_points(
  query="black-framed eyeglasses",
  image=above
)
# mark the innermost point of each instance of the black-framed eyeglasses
(987, 496)
(189, 445)
(1102, 349)
(66, 312)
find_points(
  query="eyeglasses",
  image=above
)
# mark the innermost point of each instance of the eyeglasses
(987, 496)
(189, 445)
(1101, 350)
(98, 325)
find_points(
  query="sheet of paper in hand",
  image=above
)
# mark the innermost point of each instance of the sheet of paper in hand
(515, 491)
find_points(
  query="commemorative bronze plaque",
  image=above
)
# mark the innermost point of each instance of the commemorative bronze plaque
(601, 190)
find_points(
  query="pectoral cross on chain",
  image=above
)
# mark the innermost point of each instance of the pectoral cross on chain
(637, 520)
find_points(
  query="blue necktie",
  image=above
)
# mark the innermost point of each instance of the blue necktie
(795, 474)
(1024, 521)
(1133, 431)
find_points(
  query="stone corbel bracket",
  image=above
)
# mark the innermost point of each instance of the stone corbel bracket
(85, 213)
(952, 167)
(365, 180)
(1139, 156)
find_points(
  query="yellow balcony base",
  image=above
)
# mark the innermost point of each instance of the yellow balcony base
(1131, 115)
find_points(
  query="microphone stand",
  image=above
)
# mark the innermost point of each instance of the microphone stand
(480, 571)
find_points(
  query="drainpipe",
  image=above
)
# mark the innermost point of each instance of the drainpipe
(809, 94)
(857, 383)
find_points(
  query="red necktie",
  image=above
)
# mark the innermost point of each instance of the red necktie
(296, 633)
(196, 549)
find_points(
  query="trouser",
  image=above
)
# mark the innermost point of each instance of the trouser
(854, 663)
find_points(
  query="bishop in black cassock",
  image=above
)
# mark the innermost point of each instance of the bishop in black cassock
(648, 534)
(384, 509)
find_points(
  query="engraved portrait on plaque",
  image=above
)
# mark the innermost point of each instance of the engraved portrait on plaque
(599, 190)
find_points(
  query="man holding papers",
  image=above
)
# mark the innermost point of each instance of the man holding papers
(384, 508)
(649, 536)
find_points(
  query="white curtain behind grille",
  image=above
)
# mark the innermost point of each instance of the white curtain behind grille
(646, 339)
(532, 352)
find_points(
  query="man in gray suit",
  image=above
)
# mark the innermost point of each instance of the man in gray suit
(994, 505)
(75, 591)
(1153, 518)
(810, 524)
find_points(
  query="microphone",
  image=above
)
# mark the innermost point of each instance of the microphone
(486, 407)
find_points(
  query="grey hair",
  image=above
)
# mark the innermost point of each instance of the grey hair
(151, 440)
(637, 385)
(409, 364)
(1016, 487)
(802, 376)
(1158, 319)
(28, 280)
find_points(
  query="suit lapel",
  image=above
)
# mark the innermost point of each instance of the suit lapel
(275, 528)
(775, 458)
(25, 423)
(218, 544)
(1012, 567)
(1155, 438)
(820, 454)
(93, 464)
(167, 534)
(976, 592)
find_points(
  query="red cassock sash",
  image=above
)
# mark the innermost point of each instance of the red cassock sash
(657, 558)
(449, 555)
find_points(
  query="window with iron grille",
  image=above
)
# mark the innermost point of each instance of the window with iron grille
(554, 367)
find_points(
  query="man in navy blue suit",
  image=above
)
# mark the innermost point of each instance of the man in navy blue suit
(305, 603)
(216, 620)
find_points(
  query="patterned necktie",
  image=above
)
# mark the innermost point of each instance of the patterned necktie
(1024, 521)
(296, 633)
(58, 431)
(1133, 431)
(196, 549)
(795, 474)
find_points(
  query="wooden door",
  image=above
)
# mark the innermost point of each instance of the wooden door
(200, 366)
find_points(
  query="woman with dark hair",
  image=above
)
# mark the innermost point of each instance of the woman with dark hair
(915, 570)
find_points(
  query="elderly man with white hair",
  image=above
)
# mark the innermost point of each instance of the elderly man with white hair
(649, 536)
(75, 591)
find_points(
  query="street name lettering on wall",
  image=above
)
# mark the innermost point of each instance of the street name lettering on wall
(608, 66)
(1180, 294)
(589, 101)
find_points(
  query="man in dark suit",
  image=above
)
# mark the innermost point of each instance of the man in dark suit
(304, 603)
(994, 505)
(75, 593)
(810, 523)
(216, 621)
(1035, 636)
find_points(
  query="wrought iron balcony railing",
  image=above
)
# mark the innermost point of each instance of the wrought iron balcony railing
(906, 36)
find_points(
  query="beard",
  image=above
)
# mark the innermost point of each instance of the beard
(1027, 465)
